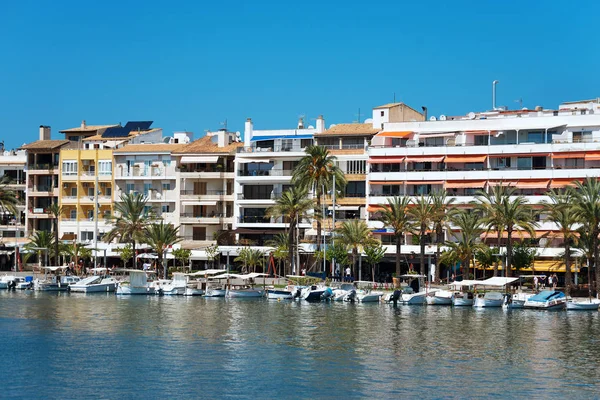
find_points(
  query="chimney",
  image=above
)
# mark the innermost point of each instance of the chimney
(248, 127)
(320, 124)
(300, 123)
(83, 124)
(424, 113)
(539, 108)
(44, 132)
(222, 136)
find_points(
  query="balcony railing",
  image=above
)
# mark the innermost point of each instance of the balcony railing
(345, 146)
(271, 172)
(207, 215)
(277, 148)
(191, 192)
(45, 166)
(268, 196)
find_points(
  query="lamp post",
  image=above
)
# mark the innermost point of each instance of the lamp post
(494, 83)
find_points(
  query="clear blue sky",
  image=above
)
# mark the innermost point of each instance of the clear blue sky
(191, 65)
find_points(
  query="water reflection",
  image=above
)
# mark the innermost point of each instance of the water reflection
(196, 347)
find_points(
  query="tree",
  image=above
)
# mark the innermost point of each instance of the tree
(243, 257)
(159, 237)
(337, 252)
(8, 198)
(468, 240)
(129, 223)
(487, 257)
(183, 255)
(374, 253)
(293, 206)
(487, 203)
(354, 234)
(442, 212)
(587, 209)
(56, 211)
(315, 171)
(523, 255)
(280, 248)
(126, 253)
(507, 212)
(395, 216)
(560, 210)
(421, 215)
(39, 241)
(251, 258)
(212, 252)
(76, 251)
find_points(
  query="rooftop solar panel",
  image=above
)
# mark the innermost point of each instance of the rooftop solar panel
(138, 125)
(116, 131)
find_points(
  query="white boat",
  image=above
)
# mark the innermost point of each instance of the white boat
(316, 293)
(413, 298)
(170, 287)
(547, 300)
(583, 304)
(55, 283)
(413, 294)
(21, 283)
(244, 292)
(6, 280)
(463, 296)
(215, 292)
(440, 298)
(488, 299)
(95, 284)
(137, 283)
(279, 294)
(516, 300)
(368, 296)
(198, 287)
(340, 293)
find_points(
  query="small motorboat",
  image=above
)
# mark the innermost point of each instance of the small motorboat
(22, 283)
(583, 304)
(95, 284)
(368, 296)
(516, 300)
(440, 298)
(215, 291)
(197, 286)
(463, 299)
(411, 298)
(547, 300)
(136, 285)
(488, 299)
(6, 281)
(279, 294)
(340, 293)
(244, 292)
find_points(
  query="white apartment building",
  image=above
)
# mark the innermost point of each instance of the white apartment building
(531, 150)
(263, 170)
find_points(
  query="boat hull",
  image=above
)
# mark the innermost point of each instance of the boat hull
(245, 293)
(279, 294)
(440, 298)
(370, 298)
(193, 292)
(414, 299)
(582, 306)
(99, 288)
(128, 290)
(215, 293)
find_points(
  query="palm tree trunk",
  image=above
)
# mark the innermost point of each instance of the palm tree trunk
(499, 243)
(398, 252)
(466, 268)
(567, 267)
(354, 267)
(56, 260)
(319, 226)
(133, 257)
(509, 246)
(291, 246)
(438, 234)
(596, 257)
(422, 255)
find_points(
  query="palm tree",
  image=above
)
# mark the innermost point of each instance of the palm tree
(560, 210)
(486, 203)
(585, 247)
(442, 212)
(159, 237)
(468, 240)
(374, 253)
(507, 212)
(293, 206)
(395, 215)
(130, 221)
(37, 242)
(243, 257)
(421, 215)
(56, 211)
(315, 171)
(281, 247)
(8, 198)
(587, 209)
(487, 257)
(355, 234)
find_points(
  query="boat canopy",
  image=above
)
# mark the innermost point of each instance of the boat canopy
(497, 281)
(207, 272)
(466, 282)
(55, 268)
(546, 295)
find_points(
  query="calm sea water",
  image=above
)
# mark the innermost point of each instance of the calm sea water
(104, 346)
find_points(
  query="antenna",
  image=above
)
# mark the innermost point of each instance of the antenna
(394, 97)
(224, 124)
(520, 101)
(358, 115)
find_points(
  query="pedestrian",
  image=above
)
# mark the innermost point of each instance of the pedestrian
(348, 273)
(535, 283)
(554, 281)
(550, 281)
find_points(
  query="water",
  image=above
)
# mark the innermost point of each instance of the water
(104, 346)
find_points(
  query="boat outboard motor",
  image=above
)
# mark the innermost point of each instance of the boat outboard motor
(351, 296)
(396, 296)
(12, 285)
(327, 294)
(414, 284)
(297, 293)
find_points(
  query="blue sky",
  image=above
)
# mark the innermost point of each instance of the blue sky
(191, 65)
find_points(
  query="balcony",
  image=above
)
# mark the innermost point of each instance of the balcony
(42, 169)
(140, 172)
(273, 175)
(42, 191)
(273, 149)
(210, 219)
(68, 199)
(219, 195)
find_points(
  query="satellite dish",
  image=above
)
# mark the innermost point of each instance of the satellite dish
(331, 126)
(167, 139)
(369, 121)
(238, 134)
(442, 117)
(432, 118)
(471, 115)
(311, 127)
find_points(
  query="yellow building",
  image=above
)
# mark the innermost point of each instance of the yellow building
(82, 173)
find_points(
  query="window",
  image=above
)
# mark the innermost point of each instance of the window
(147, 188)
(574, 163)
(91, 192)
(74, 192)
(391, 190)
(257, 192)
(356, 167)
(481, 140)
(306, 142)
(383, 113)
(87, 235)
(524, 163)
(129, 188)
(289, 165)
(108, 191)
(421, 190)
(473, 166)
(73, 138)
(165, 209)
(503, 162)
(69, 167)
(355, 189)
(105, 168)
(73, 214)
(287, 144)
(398, 142)
(166, 186)
(535, 137)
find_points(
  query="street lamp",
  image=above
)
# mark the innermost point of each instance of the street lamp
(494, 83)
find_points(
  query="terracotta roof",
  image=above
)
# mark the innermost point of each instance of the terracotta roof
(389, 105)
(45, 144)
(206, 145)
(88, 128)
(350, 129)
(150, 148)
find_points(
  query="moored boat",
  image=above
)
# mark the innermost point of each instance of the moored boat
(516, 300)
(440, 298)
(583, 304)
(279, 294)
(136, 285)
(488, 299)
(95, 284)
(547, 300)
(368, 296)
(244, 292)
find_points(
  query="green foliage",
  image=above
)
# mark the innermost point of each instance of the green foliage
(374, 253)
(251, 258)
(160, 237)
(39, 240)
(487, 256)
(339, 252)
(182, 255)
(125, 252)
(523, 255)
(395, 216)
(8, 198)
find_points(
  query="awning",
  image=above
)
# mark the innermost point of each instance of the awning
(425, 159)
(572, 154)
(404, 134)
(502, 183)
(68, 236)
(497, 281)
(375, 208)
(251, 160)
(465, 159)
(533, 184)
(200, 159)
(344, 208)
(199, 203)
(386, 182)
(550, 266)
(517, 234)
(561, 183)
(464, 184)
(396, 160)
(424, 182)
(481, 132)
(592, 156)
(436, 135)
(313, 232)
(508, 155)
